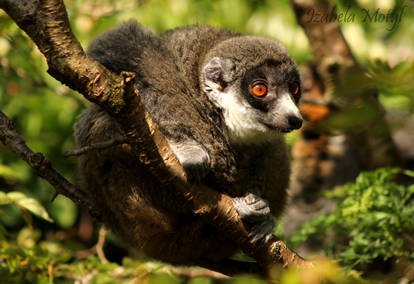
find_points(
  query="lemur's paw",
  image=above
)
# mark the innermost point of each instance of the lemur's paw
(263, 229)
(255, 213)
(251, 208)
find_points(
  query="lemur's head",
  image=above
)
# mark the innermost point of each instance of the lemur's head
(256, 84)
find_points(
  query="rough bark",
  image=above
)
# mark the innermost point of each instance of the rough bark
(46, 23)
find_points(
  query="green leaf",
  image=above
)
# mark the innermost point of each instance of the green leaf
(64, 211)
(29, 204)
(409, 173)
(34, 207)
(4, 199)
(28, 237)
(8, 172)
(16, 196)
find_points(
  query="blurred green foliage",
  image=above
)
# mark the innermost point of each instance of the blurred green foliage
(45, 111)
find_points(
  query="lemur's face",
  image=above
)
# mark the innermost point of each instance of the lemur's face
(260, 104)
(273, 91)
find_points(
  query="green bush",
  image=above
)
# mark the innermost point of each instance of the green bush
(373, 219)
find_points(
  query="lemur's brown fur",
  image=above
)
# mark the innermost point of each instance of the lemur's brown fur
(168, 69)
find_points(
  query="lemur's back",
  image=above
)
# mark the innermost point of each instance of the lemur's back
(165, 88)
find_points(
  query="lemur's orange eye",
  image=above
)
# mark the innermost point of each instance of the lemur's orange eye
(259, 90)
(294, 89)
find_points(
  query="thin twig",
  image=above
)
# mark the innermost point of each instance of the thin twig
(96, 146)
(96, 249)
(100, 244)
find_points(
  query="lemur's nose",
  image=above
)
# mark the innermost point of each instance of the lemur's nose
(294, 121)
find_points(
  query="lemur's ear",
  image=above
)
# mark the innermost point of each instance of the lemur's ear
(218, 71)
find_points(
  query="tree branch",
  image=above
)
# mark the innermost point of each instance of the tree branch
(45, 21)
